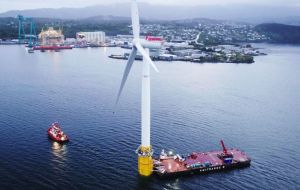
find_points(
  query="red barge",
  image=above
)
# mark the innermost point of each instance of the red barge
(55, 133)
(171, 164)
(51, 47)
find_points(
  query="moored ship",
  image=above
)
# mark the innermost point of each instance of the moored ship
(171, 164)
(51, 39)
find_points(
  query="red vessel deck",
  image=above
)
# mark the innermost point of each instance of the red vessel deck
(169, 164)
(51, 47)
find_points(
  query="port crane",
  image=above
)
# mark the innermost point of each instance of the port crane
(24, 37)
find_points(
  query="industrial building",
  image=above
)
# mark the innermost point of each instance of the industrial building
(97, 37)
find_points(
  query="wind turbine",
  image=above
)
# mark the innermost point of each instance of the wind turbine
(145, 161)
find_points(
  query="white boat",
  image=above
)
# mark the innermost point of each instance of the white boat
(30, 50)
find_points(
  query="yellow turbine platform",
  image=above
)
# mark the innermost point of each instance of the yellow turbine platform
(145, 161)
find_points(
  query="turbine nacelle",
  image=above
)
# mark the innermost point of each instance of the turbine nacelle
(150, 44)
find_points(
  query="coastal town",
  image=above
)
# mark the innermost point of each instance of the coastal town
(197, 41)
(206, 42)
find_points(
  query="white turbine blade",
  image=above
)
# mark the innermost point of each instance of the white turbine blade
(126, 73)
(145, 55)
(135, 19)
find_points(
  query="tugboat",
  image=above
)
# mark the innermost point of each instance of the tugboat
(56, 134)
(170, 164)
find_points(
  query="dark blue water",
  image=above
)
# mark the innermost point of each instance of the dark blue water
(252, 107)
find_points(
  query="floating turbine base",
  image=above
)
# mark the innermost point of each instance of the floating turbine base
(145, 161)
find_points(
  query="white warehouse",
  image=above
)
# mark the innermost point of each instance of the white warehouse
(97, 37)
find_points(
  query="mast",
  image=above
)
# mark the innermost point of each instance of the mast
(146, 107)
(145, 161)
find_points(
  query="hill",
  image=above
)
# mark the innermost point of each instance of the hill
(109, 24)
(237, 12)
(280, 33)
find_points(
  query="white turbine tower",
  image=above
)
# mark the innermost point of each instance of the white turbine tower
(145, 162)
